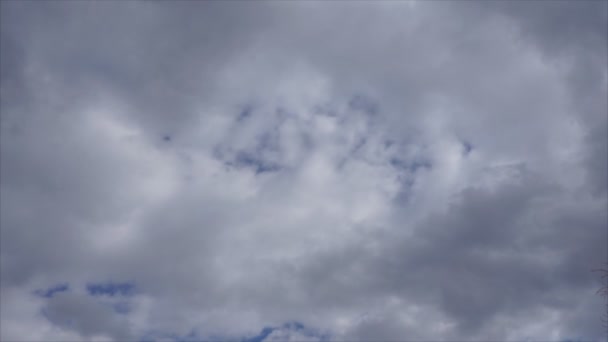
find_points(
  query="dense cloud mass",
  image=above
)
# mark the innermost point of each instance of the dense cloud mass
(303, 171)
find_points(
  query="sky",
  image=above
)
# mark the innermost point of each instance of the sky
(260, 171)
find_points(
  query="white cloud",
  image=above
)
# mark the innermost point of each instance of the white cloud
(371, 171)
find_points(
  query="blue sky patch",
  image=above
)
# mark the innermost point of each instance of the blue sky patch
(110, 289)
(261, 336)
(467, 147)
(245, 112)
(293, 326)
(411, 166)
(259, 165)
(359, 145)
(51, 291)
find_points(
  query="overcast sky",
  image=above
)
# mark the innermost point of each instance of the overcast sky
(303, 171)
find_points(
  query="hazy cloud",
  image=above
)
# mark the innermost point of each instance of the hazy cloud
(273, 171)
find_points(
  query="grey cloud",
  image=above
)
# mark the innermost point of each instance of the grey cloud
(85, 316)
(121, 49)
(486, 258)
(342, 200)
(576, 35)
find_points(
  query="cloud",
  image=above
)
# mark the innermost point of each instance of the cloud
(84, 316)
(372, 171)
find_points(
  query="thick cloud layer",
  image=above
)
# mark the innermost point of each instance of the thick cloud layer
(303, 171)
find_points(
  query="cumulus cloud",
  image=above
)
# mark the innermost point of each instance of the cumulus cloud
(302, 171)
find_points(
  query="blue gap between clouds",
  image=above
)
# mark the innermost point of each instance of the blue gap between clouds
(51, 291)
(245, 112)
(293, 326)
(259, 165)
(254, 159)
(467, 147)
(111, 289)
(412, 166)
(264, 333)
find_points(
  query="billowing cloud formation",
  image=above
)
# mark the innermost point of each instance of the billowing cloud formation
(271, 171)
